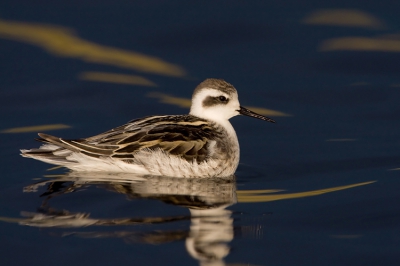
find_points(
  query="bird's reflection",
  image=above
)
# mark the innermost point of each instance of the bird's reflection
(211, 226)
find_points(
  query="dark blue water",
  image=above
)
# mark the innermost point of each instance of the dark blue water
(319, 187)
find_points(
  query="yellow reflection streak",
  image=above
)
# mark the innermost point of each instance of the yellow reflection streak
(35, 128)
(245, 196)
(378, 44)
(63, 42)
(344, 18)
(267, 112)
(260, 191)
(186, 103)
(164, 98)
(116, 78)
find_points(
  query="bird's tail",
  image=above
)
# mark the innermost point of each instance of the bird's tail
(53, 151)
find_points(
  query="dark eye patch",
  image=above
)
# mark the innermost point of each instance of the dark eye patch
(210, 101)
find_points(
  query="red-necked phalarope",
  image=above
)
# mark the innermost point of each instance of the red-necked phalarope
(201, 144)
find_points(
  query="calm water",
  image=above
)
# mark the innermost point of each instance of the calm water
(320, 187)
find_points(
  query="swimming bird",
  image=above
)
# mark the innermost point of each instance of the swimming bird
(200, 144)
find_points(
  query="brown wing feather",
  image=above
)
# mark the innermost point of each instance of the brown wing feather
(186, 136)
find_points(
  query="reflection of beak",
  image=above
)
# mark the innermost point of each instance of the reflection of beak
(247, 112)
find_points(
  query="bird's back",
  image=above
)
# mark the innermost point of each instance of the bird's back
(182, 145)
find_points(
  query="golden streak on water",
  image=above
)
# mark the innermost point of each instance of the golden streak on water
(247, 195)
(341, 140)
(116, 78)
(35, 128)
(164, 98)
(63, 42)
(260, 191)
(360, 44)
(186, 103)
(267, 112)
(344, 18)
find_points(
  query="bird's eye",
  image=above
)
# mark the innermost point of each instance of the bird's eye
(222, 98)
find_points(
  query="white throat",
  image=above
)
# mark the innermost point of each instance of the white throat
(219, 113)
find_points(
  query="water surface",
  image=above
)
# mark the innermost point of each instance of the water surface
(318, 187)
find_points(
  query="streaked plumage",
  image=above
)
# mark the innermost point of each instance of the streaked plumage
(201, 144)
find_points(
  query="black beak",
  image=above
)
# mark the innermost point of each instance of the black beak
(247, 112)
